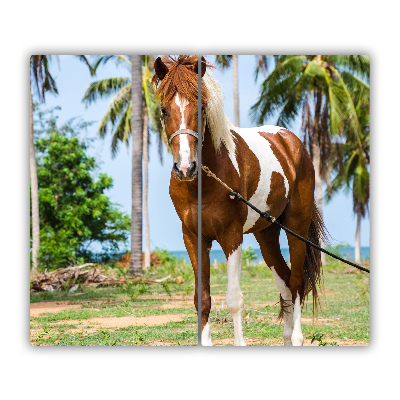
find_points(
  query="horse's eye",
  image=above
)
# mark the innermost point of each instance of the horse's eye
(164, 111)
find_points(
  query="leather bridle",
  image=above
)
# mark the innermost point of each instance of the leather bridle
(188, 131)
(180, 132)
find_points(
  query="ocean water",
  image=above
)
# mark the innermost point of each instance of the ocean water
(345, 252)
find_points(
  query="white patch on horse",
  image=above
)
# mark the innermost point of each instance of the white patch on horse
(268, 164)
(297, 336)
(184, 149)
(206, 335)
(269, 129)
(288, 311)
(234, 296)
(181, 103)
(184, 152)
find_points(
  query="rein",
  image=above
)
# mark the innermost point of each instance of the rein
(273, 220)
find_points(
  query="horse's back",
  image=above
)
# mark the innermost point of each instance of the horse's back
(287, 149)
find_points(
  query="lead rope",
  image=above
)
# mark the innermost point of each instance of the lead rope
(269, 218)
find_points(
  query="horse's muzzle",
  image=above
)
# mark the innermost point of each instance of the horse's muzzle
(187, 174)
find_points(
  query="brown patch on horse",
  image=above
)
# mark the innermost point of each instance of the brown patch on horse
(277, 190)
(282, 145)
(276, 202)
(249, 168)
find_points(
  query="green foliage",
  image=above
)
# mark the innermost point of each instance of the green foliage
(248, 255)
(362, 284)
(166, 288)
(319, 337)
(74, 209)
(336, 249)
(286, 87)
(171, 265)
(134, 290)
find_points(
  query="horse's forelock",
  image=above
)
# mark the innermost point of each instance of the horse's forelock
(181, 78)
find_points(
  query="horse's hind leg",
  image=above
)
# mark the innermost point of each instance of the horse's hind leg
(297, 217)
(268, 239)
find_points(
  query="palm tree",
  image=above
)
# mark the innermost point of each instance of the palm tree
(313, 84)
(44, 82)
(135, 267)
(117, 118)
(353, 172)
(225, 61)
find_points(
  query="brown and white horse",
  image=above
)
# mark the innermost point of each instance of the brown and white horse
(268, 165)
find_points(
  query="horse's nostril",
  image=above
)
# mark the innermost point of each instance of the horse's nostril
(175, 168)
(192, 168)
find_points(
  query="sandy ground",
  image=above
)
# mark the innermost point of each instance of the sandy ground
(117, 322)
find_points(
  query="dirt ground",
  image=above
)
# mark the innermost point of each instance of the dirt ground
(111, 322)
(175, 302)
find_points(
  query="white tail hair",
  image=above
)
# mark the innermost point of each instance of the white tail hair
(218, 123)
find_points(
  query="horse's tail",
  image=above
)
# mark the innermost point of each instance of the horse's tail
(312, 263)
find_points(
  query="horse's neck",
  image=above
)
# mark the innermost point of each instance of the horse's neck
(209, 153)
(212, 158)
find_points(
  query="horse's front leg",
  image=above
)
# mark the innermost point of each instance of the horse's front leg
(205, 295)
(191, 243)
(234, 297)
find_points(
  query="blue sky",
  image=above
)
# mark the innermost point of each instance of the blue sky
(72, 78)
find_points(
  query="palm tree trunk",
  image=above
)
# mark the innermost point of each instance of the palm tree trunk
(235, 88)
(357, 245)
(317, 163)
(135, 262)
(146, 187)
(34, 195)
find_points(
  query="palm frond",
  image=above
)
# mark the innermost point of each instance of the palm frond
(104, 59)
(276, 87)
(122, 131)
(86, 61)
(223, 61)
(104, 88)
(115, 109)
(40, 71)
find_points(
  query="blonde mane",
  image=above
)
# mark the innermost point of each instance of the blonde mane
(218, 123)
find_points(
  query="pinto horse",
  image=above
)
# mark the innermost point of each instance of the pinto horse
(268, 165)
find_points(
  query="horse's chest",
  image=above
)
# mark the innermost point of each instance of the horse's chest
(273, 186)
(185, 199)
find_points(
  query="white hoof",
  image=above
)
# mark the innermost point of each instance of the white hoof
(297, 340)
(206, 335)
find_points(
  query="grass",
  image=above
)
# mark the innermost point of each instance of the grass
(343, 319)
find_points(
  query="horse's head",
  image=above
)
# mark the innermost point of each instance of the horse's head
(178, 88)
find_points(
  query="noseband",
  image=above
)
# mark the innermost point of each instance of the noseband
(186, 131)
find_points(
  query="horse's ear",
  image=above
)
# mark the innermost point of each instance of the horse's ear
(203, 67)
(160, 68)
